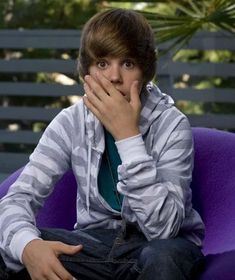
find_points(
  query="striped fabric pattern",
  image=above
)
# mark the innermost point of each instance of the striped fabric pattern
(154, 176)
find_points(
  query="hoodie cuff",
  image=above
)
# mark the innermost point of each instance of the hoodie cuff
(131, 149)
(19, 241)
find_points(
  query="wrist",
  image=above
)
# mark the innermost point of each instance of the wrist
(27, 250)
(122, 134)
(20, 241)
(131, 149)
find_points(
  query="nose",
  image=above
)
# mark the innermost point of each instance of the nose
(114, 74)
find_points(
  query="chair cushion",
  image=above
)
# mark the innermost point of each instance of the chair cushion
(214, 187)
(60, 207)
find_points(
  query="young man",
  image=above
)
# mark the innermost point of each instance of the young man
(131, 152)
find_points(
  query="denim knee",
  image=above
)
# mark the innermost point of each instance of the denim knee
(168, 259)
(157, 253)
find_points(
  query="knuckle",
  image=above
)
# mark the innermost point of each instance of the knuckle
(68, 277)
(58, 243)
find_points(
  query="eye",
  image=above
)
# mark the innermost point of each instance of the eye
(102, 64)
(129, 64)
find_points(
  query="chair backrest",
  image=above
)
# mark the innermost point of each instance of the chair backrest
(213, 187)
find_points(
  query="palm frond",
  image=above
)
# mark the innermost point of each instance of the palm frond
(190, 17)
(194, 7)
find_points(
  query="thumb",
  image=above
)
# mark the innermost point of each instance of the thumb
(62, 248)
(135, 95)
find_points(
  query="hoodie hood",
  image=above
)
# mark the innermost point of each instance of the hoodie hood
(154, 102)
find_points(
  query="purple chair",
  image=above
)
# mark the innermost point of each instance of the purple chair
(213, 189)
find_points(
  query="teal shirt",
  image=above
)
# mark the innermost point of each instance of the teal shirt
(108, 177)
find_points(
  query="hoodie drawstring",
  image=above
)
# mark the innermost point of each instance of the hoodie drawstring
(88, 178)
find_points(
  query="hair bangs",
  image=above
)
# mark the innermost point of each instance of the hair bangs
(118, 33)
(108, 43)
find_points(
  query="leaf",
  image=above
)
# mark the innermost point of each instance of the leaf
(191, 17)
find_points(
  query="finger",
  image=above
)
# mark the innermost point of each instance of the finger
(48, 274)
(96, 87)
(92, 97)
(106, 84)
(53, 276)
(91, 107)
(135, 94)
(61, 272)
(62, 248)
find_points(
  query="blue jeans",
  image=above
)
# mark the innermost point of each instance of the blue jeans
(125, 255)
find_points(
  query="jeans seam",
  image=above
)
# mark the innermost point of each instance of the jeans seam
(79, 259)
(117, 241)
(114, 261)
(137, 268)
(74, 259)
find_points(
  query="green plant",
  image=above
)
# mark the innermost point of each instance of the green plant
(188, 16)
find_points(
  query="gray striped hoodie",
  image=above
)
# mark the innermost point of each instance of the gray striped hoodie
(154, 176)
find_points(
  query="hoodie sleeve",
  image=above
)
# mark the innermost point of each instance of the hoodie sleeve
(26, 196)
(156, 183)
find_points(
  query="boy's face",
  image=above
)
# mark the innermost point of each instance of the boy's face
(121, 72)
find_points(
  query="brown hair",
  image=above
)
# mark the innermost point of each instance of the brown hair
(118, 33)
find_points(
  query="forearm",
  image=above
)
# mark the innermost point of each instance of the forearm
(26, 196)
(154, 189)
(17, 225)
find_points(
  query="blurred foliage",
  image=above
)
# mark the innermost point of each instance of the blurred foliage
(46, 13)
(183, 18)
(204, 82)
